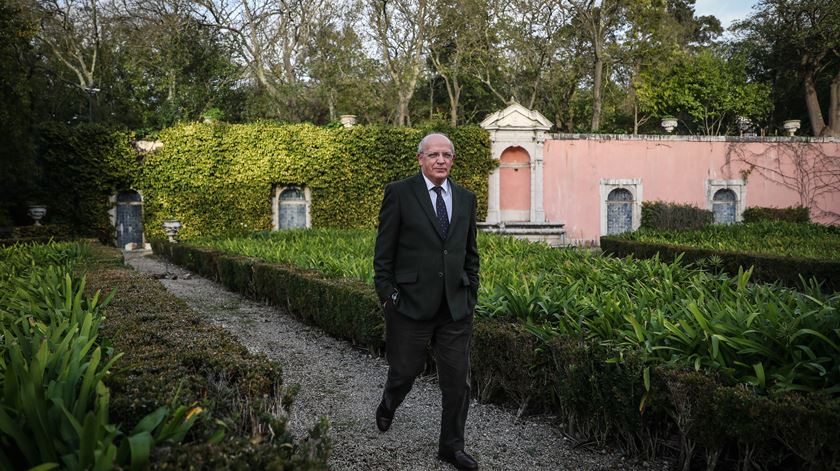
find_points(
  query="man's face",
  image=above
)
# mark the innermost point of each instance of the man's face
(436, 159)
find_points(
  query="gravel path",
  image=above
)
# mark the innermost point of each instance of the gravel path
(345, 384)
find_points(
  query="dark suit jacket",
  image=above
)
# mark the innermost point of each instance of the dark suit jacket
(412, 256)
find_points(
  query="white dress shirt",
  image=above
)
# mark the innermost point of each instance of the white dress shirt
(446, 193)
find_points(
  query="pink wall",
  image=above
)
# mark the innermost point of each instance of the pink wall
(779, 172)
(515, 182)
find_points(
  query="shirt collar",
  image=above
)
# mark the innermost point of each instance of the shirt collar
(430, 184)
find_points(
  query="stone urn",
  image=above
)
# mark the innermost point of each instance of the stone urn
(669, 123)
(347, 120)
(791, 126)
(37, 212)
(171, 228)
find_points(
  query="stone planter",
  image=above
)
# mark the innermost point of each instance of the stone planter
(348, 120)
(171, 228)
(791, 126)
(669, 123)
(37, 212)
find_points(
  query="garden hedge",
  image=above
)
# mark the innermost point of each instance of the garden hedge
(766, 268)
(218, 178)
(82, 166)
(662, 215)
(597, 398)
(347, 309)
(171, 355)
(797, 214)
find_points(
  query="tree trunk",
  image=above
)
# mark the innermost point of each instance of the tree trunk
(596, 83)
(813, 104)
(402, 108)
(635, 118)
(834, 107)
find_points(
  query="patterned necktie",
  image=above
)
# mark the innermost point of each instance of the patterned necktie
(442, 215)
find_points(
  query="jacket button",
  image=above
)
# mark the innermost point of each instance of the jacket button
(440, 274)
(445, 252)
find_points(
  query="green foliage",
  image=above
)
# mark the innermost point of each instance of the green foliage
(17, 156)
(661, 215)
(667, 312)
(634, 350)
(55, 404)
(787, 239)
(797, 214)
(219, 178)
(171, 350)
(706, 91)
(82, 167)
(795, 46)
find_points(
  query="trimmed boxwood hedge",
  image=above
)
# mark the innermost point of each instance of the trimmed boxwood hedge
(601, 400)
(766, 268)
(347, 309)
(171, 355)
(797, 214)
(663, 215)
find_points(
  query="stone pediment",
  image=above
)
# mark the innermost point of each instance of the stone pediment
(516, 116)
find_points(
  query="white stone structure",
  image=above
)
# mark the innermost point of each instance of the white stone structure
(519, 129)
(517, 126)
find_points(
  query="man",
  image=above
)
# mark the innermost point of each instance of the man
(426, 276)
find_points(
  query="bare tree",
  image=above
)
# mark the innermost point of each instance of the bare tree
(456, 41)
(272, 36)
(72, 32)
(400, 31)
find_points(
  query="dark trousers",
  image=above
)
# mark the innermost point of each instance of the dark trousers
(405, 350)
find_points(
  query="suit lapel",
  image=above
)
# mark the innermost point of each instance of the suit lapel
(422, 195)
(457, 204)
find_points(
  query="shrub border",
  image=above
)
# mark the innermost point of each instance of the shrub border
(766, 268)
(572, 378)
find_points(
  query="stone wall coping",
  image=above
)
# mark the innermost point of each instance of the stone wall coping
(690, 138)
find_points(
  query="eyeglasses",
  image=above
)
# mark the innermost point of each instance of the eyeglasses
(437, 155)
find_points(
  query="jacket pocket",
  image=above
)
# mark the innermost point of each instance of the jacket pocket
(409, 277)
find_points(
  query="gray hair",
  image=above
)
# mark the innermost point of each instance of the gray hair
(426, 139)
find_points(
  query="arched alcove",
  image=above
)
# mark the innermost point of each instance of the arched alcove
(724, 206)
(515, 185)
(129, 219)
(290, 206)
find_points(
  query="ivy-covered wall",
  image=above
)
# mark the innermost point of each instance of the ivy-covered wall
(79, 168)
(218, 178)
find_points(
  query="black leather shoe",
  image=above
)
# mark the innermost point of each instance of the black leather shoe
(383, 419)
(460, 459)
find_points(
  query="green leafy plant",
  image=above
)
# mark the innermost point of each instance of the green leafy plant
(54, 410)
(756, 334)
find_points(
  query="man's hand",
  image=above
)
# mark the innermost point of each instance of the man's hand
(390, 303)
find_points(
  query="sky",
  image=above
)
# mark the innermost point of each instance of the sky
(726, 11)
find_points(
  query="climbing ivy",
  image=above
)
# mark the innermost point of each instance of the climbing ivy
(80, 168)
(218, 178)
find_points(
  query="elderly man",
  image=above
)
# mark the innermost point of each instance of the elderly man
(426, 275)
